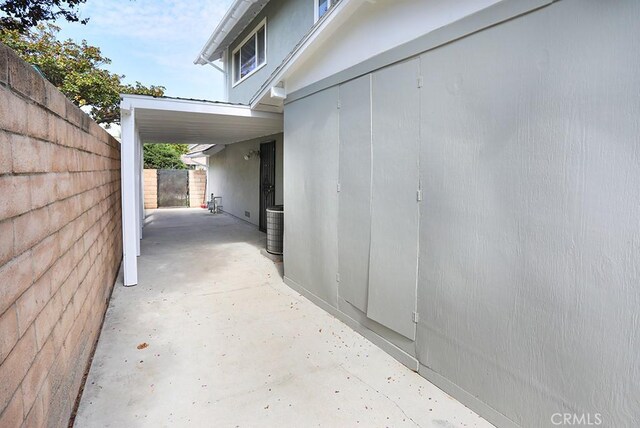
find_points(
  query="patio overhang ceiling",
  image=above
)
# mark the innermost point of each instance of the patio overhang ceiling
(175, 120)
(146, 119)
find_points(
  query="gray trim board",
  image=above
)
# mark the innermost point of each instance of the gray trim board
(481, 20)
(391, 349)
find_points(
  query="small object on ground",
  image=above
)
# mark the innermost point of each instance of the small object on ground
(143, 345)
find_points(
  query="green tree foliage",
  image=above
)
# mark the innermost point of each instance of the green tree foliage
(183, 149)
(20, 15)
(164, 156)
(78, 70)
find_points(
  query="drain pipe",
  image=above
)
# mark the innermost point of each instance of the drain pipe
(221, 70)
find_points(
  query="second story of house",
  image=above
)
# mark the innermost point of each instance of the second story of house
(273, 51)
(253, 39)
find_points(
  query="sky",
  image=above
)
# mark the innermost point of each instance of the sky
(155, 41)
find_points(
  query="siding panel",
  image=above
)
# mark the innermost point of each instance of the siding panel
(394, 213)
(354, 213)
(310, 199)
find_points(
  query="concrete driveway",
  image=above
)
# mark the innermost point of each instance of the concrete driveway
(211, 336)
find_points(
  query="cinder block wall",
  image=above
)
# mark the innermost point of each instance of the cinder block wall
(197, 187)
(60, 244)
(150, 188)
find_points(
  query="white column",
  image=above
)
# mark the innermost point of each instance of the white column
(129, 203)
(143, 214)
(207, 192)
(138, 166)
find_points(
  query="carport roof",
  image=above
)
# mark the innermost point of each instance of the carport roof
(188, 121)
(146, 119)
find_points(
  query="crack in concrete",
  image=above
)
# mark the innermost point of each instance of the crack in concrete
(381, 393)
(231, 291)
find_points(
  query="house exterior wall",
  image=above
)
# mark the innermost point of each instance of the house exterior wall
(287, 22)
(311, 201)
(238, 180)
(375, 28)
(60, 244)
(529, 243)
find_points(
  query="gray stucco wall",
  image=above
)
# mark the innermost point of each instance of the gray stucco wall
(311, 171)
(529, 239)
(238, 180)
(287, 22)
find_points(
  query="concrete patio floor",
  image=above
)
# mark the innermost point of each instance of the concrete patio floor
(229, 344)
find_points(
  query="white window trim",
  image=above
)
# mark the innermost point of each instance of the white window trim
(316, 14)
(245, 40)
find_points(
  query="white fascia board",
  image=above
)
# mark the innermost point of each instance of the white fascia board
(217, 148)
(195, 155)
(130, 102)
(235, 12)
(336, 14)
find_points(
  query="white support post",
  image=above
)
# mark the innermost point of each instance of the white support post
(142, 210)
(129, 203)
(207, 183)
(138, 167)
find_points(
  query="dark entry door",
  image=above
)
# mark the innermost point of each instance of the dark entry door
(173, 188)
(267, 180)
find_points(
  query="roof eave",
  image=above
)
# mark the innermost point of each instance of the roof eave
(211, 50)
(341, 11)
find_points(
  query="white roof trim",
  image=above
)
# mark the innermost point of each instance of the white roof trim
(216, 148)
(234, 15)
(170, 120)
(335, 16)
(129, 102)
(199, 154)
